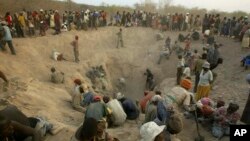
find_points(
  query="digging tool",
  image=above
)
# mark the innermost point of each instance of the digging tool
(199, 137)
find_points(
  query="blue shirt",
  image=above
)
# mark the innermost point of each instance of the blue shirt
(130, 109)
(162, 113)
(96, 110)
(7, 35)
(88, 98)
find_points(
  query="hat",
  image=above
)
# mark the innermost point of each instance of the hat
(78, 81)
(41, 10)
(248, 78)
(186, 83)
(97, 98)
(119, 96)
(205, 101)
(187, 13)
(150, 130)
(206, 65)
(175, 124)
(156, 98)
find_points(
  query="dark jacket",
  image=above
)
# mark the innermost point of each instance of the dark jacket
(97, 111)
(130, 108)
(246, 113)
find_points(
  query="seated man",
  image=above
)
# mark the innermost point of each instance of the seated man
(143, 102)
(92, 130)
(247, 57)
(77, 99)
(151, 109)
(129, 107)
(152, 132)
(224, 117)
(15, 126)
(118, 116)
(88, 97)
(97, 110)
(56, 77)
(205, 109)
(87, 131)
(64, 27)
(57, 56)
(174, 125)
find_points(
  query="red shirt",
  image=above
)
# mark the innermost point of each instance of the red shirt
(144, 101)
(9, 20)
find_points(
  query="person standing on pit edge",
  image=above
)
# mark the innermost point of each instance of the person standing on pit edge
(120, 40)
(75, 49)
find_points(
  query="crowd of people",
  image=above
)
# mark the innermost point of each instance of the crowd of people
(28, 22)
(161, 109)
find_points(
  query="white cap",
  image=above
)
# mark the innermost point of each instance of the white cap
(156, 98)
(122, 80)
(206, 65)
(150, 130)
(119, 96)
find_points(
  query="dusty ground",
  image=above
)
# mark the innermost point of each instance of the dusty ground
(32, 65)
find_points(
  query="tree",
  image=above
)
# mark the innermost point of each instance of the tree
(164, 3)
(69, 4)
(149, 5)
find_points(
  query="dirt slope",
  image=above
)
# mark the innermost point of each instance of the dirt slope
(32, 65)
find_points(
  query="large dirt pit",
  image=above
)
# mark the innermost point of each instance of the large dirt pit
(35, 95)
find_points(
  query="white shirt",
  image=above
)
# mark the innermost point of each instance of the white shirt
(205, 78)
(55, 55)
(186, 19)
(144, 17)
(180, 63)
(187, 72)
(207, 32)
(165, 51)
(86, 18)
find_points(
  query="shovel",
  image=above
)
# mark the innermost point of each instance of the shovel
(199, 137)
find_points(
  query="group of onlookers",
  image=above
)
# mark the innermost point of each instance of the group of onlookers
(161, 117)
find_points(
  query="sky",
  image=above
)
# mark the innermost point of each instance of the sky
(222, 5)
